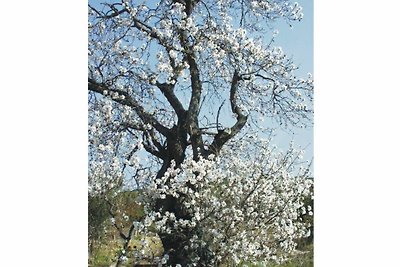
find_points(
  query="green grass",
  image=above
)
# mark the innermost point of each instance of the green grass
(104, 255)
(305, 259)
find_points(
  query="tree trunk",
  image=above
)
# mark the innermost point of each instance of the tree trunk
(174, 243)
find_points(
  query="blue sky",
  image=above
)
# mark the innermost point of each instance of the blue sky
(297, 41)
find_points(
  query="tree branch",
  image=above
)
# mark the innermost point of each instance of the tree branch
(224, 135)
(192, 123)
(127, 100)
(168, 92)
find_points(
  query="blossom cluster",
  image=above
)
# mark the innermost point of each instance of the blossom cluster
(112, 151)
(240, 209)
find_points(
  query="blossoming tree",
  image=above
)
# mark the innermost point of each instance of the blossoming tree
(163, 75)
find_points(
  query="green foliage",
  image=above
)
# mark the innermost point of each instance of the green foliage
(103, 238)
(97, 216)
(125, 202)
(104, 254)
(122, 204)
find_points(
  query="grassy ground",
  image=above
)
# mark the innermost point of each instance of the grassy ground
(105, 255)
(305, 259)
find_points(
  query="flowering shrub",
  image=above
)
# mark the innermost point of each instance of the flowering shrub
(244, 207)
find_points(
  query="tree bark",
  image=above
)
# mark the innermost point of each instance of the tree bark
(175, 242)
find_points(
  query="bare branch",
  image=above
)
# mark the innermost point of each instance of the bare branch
(167, 90)
(224, 135)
